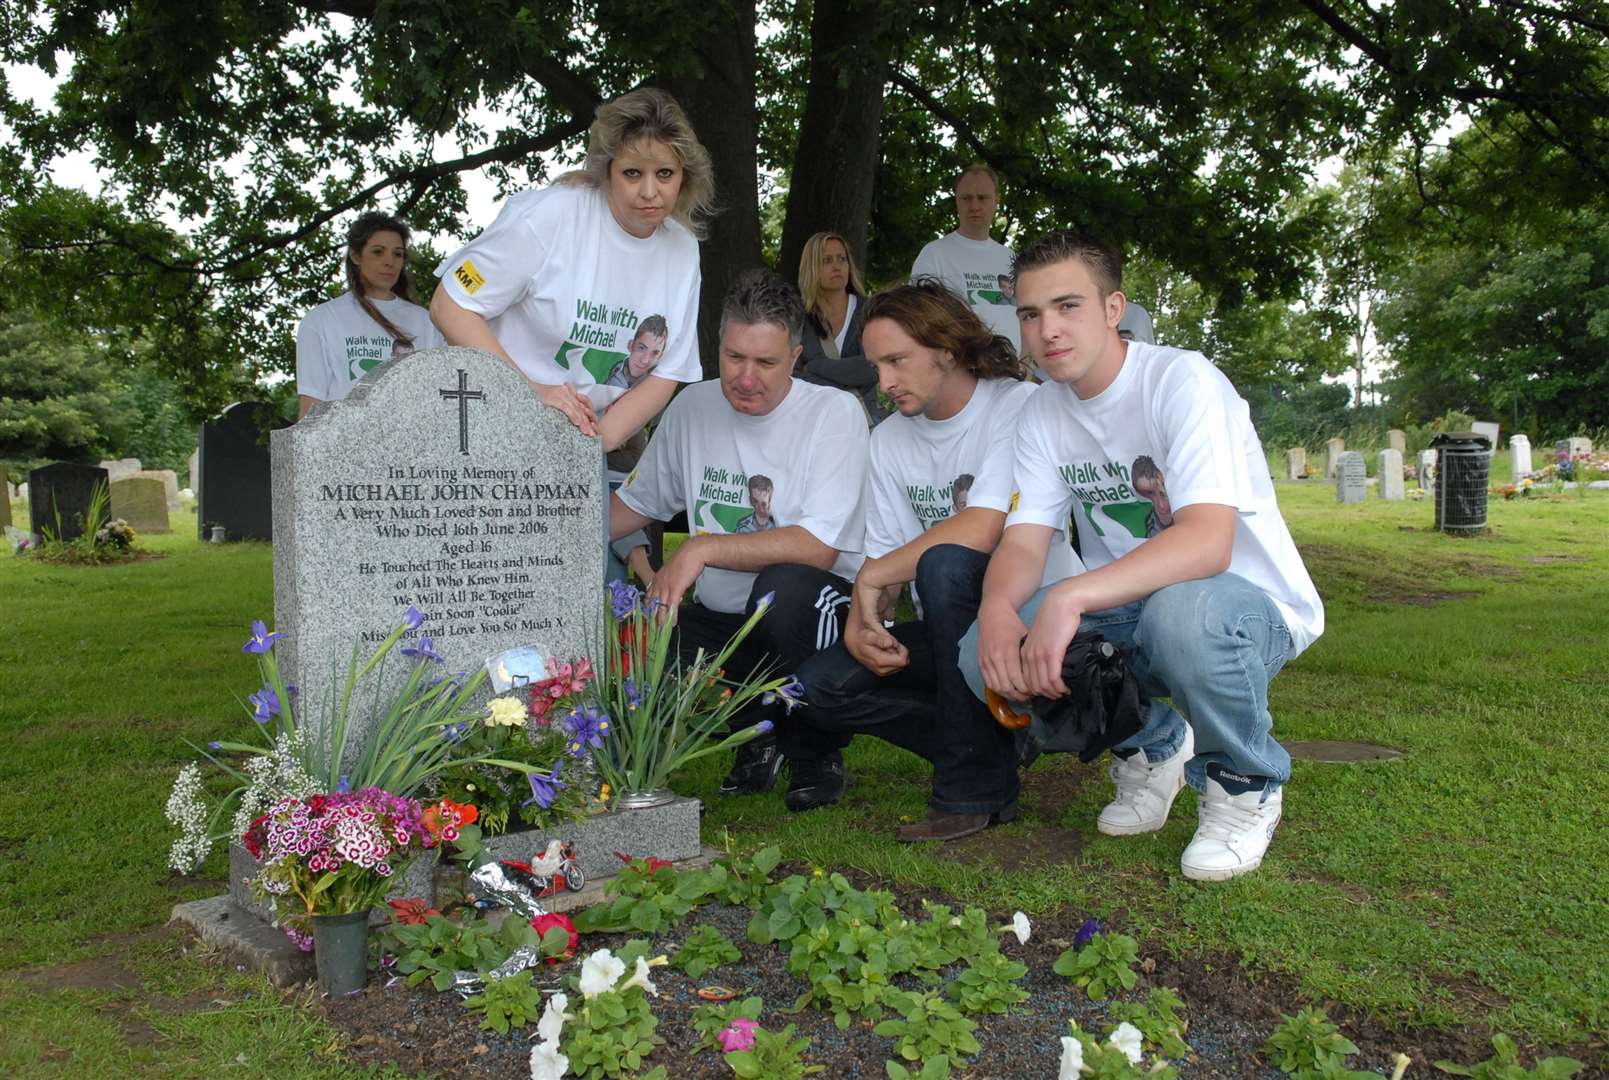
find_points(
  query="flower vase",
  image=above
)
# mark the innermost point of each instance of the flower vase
(643, 800)
(341, 952)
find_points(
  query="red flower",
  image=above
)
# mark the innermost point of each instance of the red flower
(543, 923)
(256, 834)
(410, 912)
(653, 863)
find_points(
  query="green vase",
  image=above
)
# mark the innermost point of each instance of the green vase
(341, 952)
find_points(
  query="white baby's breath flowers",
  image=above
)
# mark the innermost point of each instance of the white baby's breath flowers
(188, 812)
(505, 712)
(1128, 1039)
(278, 774)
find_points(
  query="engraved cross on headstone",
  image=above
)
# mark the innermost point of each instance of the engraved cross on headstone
(464, 395)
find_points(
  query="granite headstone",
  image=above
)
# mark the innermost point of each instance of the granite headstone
(1519, 457)
(442, 484)
(1488, 429)
(170, 485)
(1574, 447)
(121, 467)
(1332, 457)
(1351, 477)
(1296, 463)
(1397, 440)
(235, 489)
(1390, 470)
(59, 496)
(142, 502)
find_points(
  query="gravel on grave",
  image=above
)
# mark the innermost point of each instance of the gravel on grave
(1230, 1015)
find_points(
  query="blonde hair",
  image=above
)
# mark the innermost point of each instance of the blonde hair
(810, 272)
(650, 114)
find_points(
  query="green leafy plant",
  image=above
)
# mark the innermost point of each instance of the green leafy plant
(744, 880)
(704, 950)
(506, 1003)
(440, 946)
(933, 1069)
(989, 984)
(611, 1032)
(648, 895)
(1106, 1060)
(1307, 1041)
(710, 1020)
(928, 1027)
(1158, 1020)
(1106, 962)
(1504, 1064)
(665, 714)
(775, 1055)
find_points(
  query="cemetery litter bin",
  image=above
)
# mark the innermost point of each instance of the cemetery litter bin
(1463, 468)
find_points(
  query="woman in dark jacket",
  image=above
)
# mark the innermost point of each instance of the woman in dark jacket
(835, 308)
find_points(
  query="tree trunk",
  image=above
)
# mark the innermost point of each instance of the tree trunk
(720, 101)
(835, 164)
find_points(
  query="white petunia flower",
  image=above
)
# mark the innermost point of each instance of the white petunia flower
(1020, 927)
(552, 1022)
(1128, 1039)
(640, 976)
(1072, 1058)
(600, 972)
(547, 1063)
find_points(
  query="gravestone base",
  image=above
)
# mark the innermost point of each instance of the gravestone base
(669, 832)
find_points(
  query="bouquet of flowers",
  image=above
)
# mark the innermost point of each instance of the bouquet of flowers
(507, 734)
(336, 854)
(660, 714)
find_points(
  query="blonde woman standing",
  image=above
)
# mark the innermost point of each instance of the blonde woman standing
(561, 281)
(835, 301)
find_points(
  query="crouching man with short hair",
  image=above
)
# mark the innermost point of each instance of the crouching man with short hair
(1190, 563)
(770, 471)
(940, 487)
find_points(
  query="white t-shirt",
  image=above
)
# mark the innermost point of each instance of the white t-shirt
(563, 287)
(1177, 411)
(979, 271)
(705, 458)
(916, 463)
(338, 341)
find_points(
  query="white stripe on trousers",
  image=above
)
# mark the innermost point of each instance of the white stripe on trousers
(827, 603)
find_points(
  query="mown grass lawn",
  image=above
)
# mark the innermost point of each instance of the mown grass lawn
(1462, 884)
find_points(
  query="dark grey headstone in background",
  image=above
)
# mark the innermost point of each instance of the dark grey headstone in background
(440, 482)
(5, 498)
(63, 490)
(235, 489)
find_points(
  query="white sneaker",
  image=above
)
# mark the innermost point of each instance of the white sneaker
(1234, 830)
(1145, 791)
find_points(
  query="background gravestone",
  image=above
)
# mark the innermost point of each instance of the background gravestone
(234, 489)
(1574, 446)
(442, 484)
(5, 498)
(62, 490)
(1351, 477)
(193, 480)
(1390, 470)
(1397, 440)
(1519, 458)
(1296, 463)
(121, 467)
(1488, 429)
(170, 485)
(142, 502)
(1332, 457)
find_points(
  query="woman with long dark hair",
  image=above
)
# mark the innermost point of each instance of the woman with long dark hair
(375, 320)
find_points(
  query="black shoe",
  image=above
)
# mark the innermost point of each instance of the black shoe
(755, 771)
(816, 782)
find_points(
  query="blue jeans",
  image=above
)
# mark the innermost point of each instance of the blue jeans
(924, 707)
(1210, 646)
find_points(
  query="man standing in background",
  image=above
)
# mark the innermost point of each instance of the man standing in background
(969, 261)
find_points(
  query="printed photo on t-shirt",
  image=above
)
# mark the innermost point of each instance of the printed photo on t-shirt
(1008, 288)
(728, 501)
(1109, 494)
(1147, 481)
(642, 355)
(986, 289)
(759, 518)
(960, 488)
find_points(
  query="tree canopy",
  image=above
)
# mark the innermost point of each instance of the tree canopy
(1189, 133)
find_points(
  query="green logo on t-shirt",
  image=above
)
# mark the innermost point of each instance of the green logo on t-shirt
(597, 362)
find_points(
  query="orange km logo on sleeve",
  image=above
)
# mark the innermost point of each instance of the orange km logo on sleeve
(469, 277)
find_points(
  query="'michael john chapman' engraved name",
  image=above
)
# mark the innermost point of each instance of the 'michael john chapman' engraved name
(451, 492)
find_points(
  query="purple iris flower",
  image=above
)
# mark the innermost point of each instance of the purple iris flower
(623, 598)
(765, 601)
(215, 745)
(764, 727)
(1086, 932)
(412, 618)
(425, 650)
(454, 732)
(588, 725)
(633, 695)
(790, 694)
(344, 787)
(261, 640)
(544, 789)
(265, 704)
